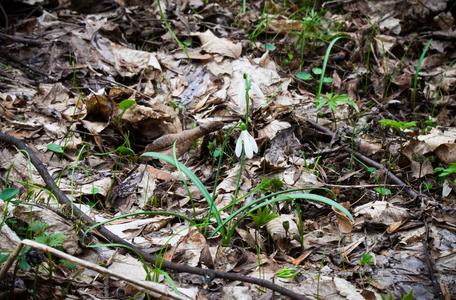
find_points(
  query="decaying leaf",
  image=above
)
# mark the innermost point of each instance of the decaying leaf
(184, 140)
(382, 212)
(282, 238)
(224, 47)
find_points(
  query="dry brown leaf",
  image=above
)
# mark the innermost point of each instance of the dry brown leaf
(281, 238)
(382, 211)
(160, 174)
(272, 128)
(303, 256)
(345, 224)
(224, 47)
(283, 24)
(184, 139)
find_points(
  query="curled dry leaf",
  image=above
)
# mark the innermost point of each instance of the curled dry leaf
(184, 139)
(383, 212)
(345, 224)
(281, 238)
(272, 128)
(224, 47)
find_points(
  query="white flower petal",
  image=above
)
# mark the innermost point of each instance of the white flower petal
(238, 150)
(257, 90)
(250, 146)
(252, 142)
(241, 93)
(248, 150)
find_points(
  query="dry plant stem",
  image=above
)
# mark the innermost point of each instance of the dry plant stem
(10, 261)
(428, 261)
(149, 285)
(369, 162)
(207, 273)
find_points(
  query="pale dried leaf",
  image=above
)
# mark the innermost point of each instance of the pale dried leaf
(272, 128)
(382, 211)
(222, 46)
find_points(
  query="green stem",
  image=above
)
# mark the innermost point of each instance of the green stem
(241, 167)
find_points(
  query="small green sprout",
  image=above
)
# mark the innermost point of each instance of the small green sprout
(408, 296)
(332, 101)
(263, 217)
(124, 105)
(428, 186)
(274, 185)
(212, 149)
(287, 273)
(399, 126)
(269, 47)
(55, 148)
(383, 191)
(317, 71)
(366, 259)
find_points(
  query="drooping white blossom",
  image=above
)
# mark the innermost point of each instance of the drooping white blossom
(250, 146)
(241, 92)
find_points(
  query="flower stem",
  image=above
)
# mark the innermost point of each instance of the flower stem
(241, 167)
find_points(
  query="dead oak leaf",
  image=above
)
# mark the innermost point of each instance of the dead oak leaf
(222, 46)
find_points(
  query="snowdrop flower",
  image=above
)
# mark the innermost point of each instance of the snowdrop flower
(242, 91)
(248, 141)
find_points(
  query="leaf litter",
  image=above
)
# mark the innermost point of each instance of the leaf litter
(65, 71)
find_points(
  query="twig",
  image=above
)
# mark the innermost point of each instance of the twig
(369, 162)
(207, 273)
(436, 286)
(10, 261)
(149, 285)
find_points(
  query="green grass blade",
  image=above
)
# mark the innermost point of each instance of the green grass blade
(282, 198)
(418, 70)
(325, 62)
(193, 178)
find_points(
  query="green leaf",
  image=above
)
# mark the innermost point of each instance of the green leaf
(269, 47)
(263, 217)
(327, 80)
(320, 102)
(125, 150)
(8, 194)
(216, 153)
(41, 239)
(55, 148)
(95, 190)
(408, 296)
(23, 264)
(317, 71)
(304, 76)
(383, 191)
(366, 259)
(126, 104)
(3, 258)
(56, 239)
(287, 273)
(276, 183)
(38, 227)
(445, 172)
(186, 43)
(332, 104)
(67, 264)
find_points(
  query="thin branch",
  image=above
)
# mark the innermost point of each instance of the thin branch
(155, 287)
(370, 162)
